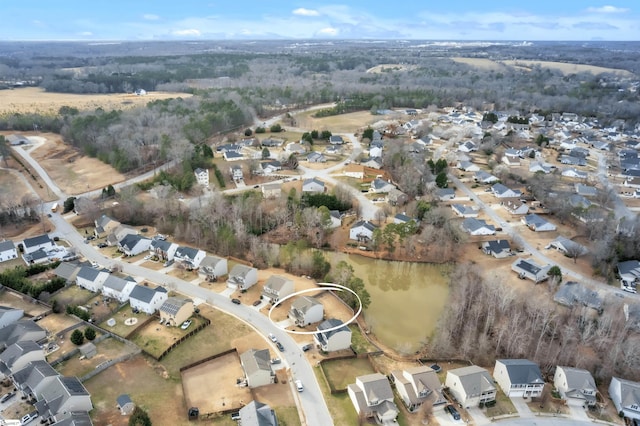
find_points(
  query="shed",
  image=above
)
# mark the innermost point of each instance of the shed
(88, 350)
(125, 404)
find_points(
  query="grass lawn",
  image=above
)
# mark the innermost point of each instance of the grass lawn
(10, 264)
(287, 416)
(73, 295)
(121, 329)
(155, 338)
(341, 373)
(503, 406)
(340, 405)
(107, 349)
(358, 342)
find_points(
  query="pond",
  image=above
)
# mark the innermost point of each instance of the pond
(407, 298)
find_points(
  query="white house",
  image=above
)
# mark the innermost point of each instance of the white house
(484, 177)
(91, 279)
(465, 211)
(8, 251)
(336, 219)
(468, 166)
(625, 395)
(527, 268)
(446, 194)
(190, 257)
(133, 244)
(147, 299)
(355, 171)
(212, 267)
(118, 288)
(256, 365)
(372, 396)
(416, 385)
(468, 146)
(362, 231)
(18, 355)
(236, 172)
(313, 185)
(36, 243)
(518, 377)
(242, 277)
(271, 190)
(165, 250)
(629, 272)
(574, 173)
(306, 310)
(501, 191)
(575, 385)
(202, 176)
(515, 207)
(471, 385)
(62, 398)
(332, 335)
(381, 186)
(477, 227)
(497, 248)
(537, 223)
(277, 288)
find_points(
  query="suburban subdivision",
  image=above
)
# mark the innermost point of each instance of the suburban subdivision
(215, 248)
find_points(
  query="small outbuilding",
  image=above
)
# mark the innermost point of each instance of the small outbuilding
(125, 404)
(88, 350)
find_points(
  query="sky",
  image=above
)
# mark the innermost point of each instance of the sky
(97, 20)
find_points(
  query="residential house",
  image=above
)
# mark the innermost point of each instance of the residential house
(372, 396)
(401, 218)
(468, 146)
(572, 294)
(333, 150)
(625, 395)
(119, 233)
(163, 249)
(515, 206)
(61, 397)
(568, 247)
(212, 267)
(416, 385)
(8, 251)
(68, 271)
(373, 162)
(277, 288)
(256, 365)
(202, 176)
(518, 377)
(133, 244)
(147, 299)
(484, 177)
(336, 140)
(189, 257)
(271, 190)
(125, 404)
(511, 157)
(465, 211)
(575, 385)
(91, 278)
(537, 223)
(574, 173)
(467, 166)
(355, 171)
(316, 157)
(258, 414)
(446, 194)
(335, 218)
(586, 190)
(306, 310)
(376, 150)
(539, 167)
(578, 201)
(527, 268)
(271, 143)
(332, 335)
(175, 310)
(362, 231)
(471, 386)
(477, 227)
(395, 197)
(573, 161)
(34, 244)
(118, 288)
(497, 248)
(9, 316)
(20, 331)
(380, 186)
(33, 377)
(242, 277)
(17, 355)
(270, 167)
(501, 191)
(313, 185)
(295, 148)
(629, 273)
(236, 172)
(104, 226)
(232, 156)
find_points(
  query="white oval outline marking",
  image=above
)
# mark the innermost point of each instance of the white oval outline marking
(323, 286)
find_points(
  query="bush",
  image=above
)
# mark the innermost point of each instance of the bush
(260, 130)
(77, 338)
(276, 128)
(89, 334)
(248, 132)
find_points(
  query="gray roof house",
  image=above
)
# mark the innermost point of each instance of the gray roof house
(165, 250)
(35, 243)
(586, 190)
(497, 248)
(625, 395)
(306, 310)
(471, 385)
(242, 277)
(118, 288)
(133, 244)
(572, 294)
(257, 414)
(91, 278)
(313, 185)
(68, 271)
(381, 186)
(22, 330)
(415, 385)
(189, 256)
(147, 299)
(576, 385)
(629, 272)
(527, 268)
(125, 404)
(502, 191)
(332, 335)
(515, 206)
(372, 396)
(8, 251)
(30, 379)
(61, 397)
(484, 177)
(477, 227)
(518, 377)
(465, 211)
(18, 355)
(256, 365)
(362, 231)
(537, 223)
(212, 267)
(568, 247)
(445, 194)
(9, 315)
(277, 288)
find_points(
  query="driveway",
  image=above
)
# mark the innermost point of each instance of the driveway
(522, 407)
(578, 413)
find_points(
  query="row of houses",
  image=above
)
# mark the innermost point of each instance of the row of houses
(36, 250)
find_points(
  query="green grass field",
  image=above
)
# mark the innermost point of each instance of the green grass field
(341, 373)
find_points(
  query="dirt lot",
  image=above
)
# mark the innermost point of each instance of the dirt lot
(13, 186)
(211, 386)
(18, 301)
(73, 172)
(568, 68)
(345, 123)
(35, 99)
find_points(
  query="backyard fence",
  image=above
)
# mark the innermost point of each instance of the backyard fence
(206, 322)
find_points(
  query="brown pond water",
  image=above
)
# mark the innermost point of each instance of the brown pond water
(407, 298)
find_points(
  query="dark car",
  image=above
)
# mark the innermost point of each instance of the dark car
(7, 396)
(452, 410)
(257, 302)
(280, 347)
(436, 368)
(236, 301)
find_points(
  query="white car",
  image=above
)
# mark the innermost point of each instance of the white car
(273, 337)
(299, 385)
(185, 324)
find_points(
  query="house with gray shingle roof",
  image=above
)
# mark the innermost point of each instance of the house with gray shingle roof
(537, 223)
(22, 330)
(105, 225)
(477, 227)
(568, 247)
(527, 268)
(189, 256)
(242, 277)
(362, 231)
(484, 177)
(313, 185)
(212, 267)
(63, 396)
(34, 244)
(445, 194)
(586, 190)
(372, 396)
(575, 385)
(257, 413)
(175, 310)
(68, 271)
(416, 385)
(497, 248)
(18, 355)
(471, 385)
(147, 299)
(133, 244)
(572, 294)
(518, 377)
(381, 186)
(306, 310)
(625, 395)
(165, 250)
(30, 379)
(501, 191)
(332, 335)
(277, 288)
(465, 211)
(8, 251)
(256, 365)
(9, 315)
(118, 288)
(629, 273)
(91, 278)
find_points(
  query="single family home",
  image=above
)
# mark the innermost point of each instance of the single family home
(40, 242)
(465, 211)
(497, 248)
(575, 385)
(91, 278)
(313, 186)
(118, 288)
(61, 397)
(362, 231)
(415, 385)
(8, 251)
(147, 299)
(202, 176)
(175, 310)
(332, 335)
(372, 396)
(242, 277)
(189, 257)
(165, 250)
(277, 288)
(477, 227)
(471, 386)
(306, 310)
(518, 377)
(257, 413)
(625, 395)
(212, 267)
(527, 268)
(256, 365)
(501, 191)
(537, 223)
(133, 244)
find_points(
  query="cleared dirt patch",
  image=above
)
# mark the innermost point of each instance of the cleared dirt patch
(568, 68)
(485, 64)
(35, 99)
(12, 186)
(343, 123)
(378, 69)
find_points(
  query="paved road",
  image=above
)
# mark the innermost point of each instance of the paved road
(312, 402)
(620, 209)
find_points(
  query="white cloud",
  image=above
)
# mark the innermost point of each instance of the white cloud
(86, 33)
(607, 9)
(187, 33)
(150, 17)
(305, 12)
(329, 31)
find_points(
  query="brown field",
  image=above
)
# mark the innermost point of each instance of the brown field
(343, 123)
(35, 99)
(106, 350)
(568, 68)
(390, 67)
(485, 64)
(18, 301)
(13, 186)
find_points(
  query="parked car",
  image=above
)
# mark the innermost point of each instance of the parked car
(452, 410)
(257, 302)
(299, 385)
(273, 337)
(436, 368)
(280, 347)
(276, 360)
(102, 245)
(235, 416)
(7, 397)
(185, 324)
(307, 347)
(26, 419)
(236, 301)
